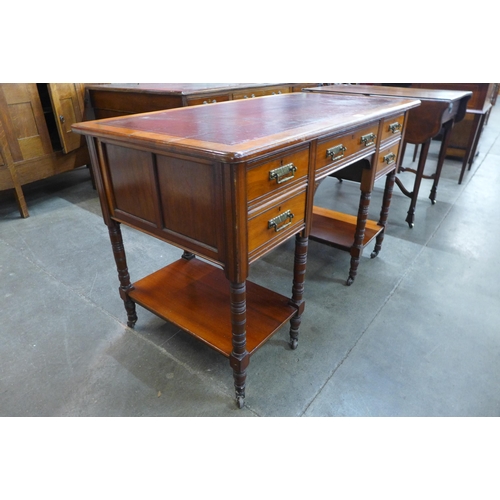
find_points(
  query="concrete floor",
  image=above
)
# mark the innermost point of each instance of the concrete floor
(417, 334)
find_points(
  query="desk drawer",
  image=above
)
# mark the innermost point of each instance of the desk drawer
(392, 127)
(247, 94)
(274, 222)
(208, 99)
(387, 160)
(277, 174)
(336, 149)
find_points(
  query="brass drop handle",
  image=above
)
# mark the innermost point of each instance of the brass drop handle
(368, 139)
(246, 97)
(389, 158)
(336, 152)
(395, 127)
(282, 174)
(61, 118)
(208, 102)
(279, 220)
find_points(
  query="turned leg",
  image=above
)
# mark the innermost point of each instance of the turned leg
(384, 213)
(410, 219)
(239, 358)
(115, 236)
(299, 275)
(357, 247)
(188, 255)
(448, 126)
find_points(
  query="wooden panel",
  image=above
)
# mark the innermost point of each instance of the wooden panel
(188, 199)
(24, 122)
(132, 181)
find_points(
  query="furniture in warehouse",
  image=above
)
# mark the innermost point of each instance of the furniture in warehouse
(196, 178)
(36, 140)
(465, 137)
(118, 99)
(439, 110)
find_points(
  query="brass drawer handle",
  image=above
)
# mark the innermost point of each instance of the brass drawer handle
(368, 139)
(280, 172)
(209, 102)
(395, 127)
(336, 152)
(246, 97)
(389, 158)
(279, 220)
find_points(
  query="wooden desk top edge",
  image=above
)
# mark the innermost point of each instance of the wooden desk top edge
(178, 89)
(369, 109)
(403, 92)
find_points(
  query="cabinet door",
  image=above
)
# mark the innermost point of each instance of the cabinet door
(23, 120)
(67, 103)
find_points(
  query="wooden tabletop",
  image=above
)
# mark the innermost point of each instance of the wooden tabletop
(422, 94)
(185, 89)
(239, 130)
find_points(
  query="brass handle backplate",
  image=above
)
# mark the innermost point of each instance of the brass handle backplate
(336, 152)
(395, 127)
(368, 139)
(280, 173)
(279, 220)
(389, 158)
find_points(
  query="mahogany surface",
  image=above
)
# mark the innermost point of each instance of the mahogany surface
(465, 137)
(439, 108)
(228, 182)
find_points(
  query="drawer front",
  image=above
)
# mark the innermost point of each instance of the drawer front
(273, 223)
(387, 160)
(275, 174)
(247, 94)
(392, 127)
(208, 99)
(336, 149)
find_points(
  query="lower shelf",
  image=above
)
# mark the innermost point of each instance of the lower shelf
(338, 229)
(195, 296)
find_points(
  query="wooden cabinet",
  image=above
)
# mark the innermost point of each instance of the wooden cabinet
(36, 140)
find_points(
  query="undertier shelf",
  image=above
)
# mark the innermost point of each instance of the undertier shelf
(195, 296)
(338, 229)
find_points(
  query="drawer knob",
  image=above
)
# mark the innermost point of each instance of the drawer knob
(336, 152)
(389, 158)
(280, 219)
(283, 173)
(395, 127)
(368, 139)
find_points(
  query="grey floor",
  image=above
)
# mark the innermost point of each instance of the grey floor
(417, 334)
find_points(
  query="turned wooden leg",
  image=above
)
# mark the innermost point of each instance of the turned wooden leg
(410, 219)
(357, 247)
(299, 275)
(448, 126)
(239, 358)
(384, 213)
(188, 255)
(115, 236)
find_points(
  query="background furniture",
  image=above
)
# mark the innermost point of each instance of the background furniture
(196, 178)
(36, 140)
(439, 110)
(465, 137)
(118, 99)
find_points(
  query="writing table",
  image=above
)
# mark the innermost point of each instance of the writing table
(119, 99)
(465, 138)
(439, 110)
(227, 182)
